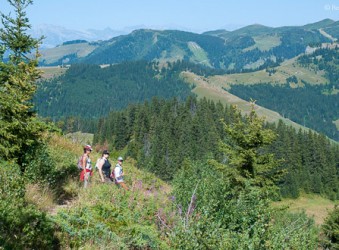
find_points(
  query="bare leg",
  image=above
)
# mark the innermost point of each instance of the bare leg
(86, 179)
(123, 185)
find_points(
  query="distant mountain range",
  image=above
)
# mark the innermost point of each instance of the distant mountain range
(249, 48)
(57, 35)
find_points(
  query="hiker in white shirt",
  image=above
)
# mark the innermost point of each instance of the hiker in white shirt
(119, 174)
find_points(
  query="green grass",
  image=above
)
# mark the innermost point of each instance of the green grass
(291, 67)
(215, 87)
(51, 72)
(265, 42)
(104, 216)
(287, 69)
(199, 55)
(313, 205)
(53, 55)
(80, 138)
(336, 123)
(176, 53)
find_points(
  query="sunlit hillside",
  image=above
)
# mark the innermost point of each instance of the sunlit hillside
(64, 54)
(214, 90)
(314, 206)
(287, 69)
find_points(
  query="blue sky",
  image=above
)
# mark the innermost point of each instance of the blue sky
(192, 15)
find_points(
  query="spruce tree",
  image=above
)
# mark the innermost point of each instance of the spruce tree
(244, 152)
(19, 127)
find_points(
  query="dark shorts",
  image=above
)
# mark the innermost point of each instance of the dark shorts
(108, 180)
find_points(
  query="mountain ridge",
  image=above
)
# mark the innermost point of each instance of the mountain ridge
(249, 47)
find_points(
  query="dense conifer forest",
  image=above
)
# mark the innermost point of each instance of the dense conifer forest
(310, 106)
(91, 91)
(161, 134)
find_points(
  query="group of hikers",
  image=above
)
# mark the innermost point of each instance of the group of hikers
(106, 174)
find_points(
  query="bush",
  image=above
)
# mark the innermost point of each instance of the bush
(330, 229)
(292, 231)
(22, 226)
(216, 215)
(107, 216)
(52, 167)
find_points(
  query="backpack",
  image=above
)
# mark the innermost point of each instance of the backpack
(97, 163)
(79, 164)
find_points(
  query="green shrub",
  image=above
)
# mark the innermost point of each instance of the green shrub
(217, 215)
(22, 226)
(292, 231)
(39, 166)
(45, 165)
(330, 229)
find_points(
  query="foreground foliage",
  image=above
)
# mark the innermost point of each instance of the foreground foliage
(331, 229)
(206, 210)
(22, 225)
(227, 205)
(19, 126)
(106, 217)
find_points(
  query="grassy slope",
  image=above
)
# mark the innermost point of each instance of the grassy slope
(337, 123)
(65, 150)
(207, 87)
(287, 69)
(50, 72)
(313, 205)
(130, 215)
(199, 55)
(53, 55)
(214, 87)
(265, 42)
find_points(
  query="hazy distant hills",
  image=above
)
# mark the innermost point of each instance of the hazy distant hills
(256, 29)
(56, 35)
(248, 48)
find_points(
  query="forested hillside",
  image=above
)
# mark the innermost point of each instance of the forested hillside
(324, 58)
(161, 134)
(310, 106)
(316, 107)
(90, 91)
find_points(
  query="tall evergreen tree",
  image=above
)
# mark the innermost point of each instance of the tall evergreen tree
(19, 127)
(245, 157)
